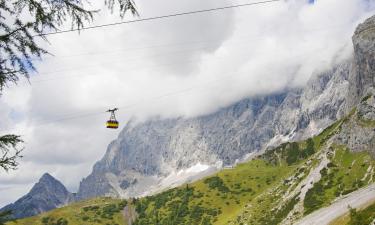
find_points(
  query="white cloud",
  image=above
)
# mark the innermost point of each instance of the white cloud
(182, 66)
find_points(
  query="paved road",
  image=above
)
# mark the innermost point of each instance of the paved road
(340, 207)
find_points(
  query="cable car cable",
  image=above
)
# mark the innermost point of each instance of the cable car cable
(160, 17)
(121, 60)
(213, 41)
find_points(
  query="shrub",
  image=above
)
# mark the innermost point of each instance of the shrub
(216, 183)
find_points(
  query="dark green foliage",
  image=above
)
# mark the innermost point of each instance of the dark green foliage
(363, 217)
(61, 221)
(347, 191)
(109, 210)
(9, 151)
(216, 183)
(18, 42)
(274, 217)
(358, 219)
(45, 220)
(364, 99)
(90, 208)
(313, 199)
(331, 165)
(290, 152)
(331, 130)
(105, 212)
(123, 204)
(52, 221)
(4, 217)
(85, 218)
(294, 153)
(206, 221)
(309, 150)
(316, 197)
(174, 207)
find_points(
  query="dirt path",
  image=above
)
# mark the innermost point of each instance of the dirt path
(326, 215)
(129, 215)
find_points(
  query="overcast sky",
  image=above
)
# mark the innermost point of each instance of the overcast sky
(182, 66)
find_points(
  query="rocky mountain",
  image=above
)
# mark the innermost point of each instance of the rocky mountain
(312, 181)
(147, 154)
(294, 183)
(45, 195)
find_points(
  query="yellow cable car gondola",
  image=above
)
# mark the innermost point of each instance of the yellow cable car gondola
(112, 123)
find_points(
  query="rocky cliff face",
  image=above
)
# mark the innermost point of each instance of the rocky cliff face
(47, 194)
(358, 134)
(363, 71)
(145, 154)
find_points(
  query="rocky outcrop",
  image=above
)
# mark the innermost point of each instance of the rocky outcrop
(146, 153)
(358, 132)
(363, 70)
(45, 195)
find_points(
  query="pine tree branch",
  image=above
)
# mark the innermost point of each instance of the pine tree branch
(10, 153)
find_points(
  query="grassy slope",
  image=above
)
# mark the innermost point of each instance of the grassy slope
(252, 192)
(221, 198)
(346, 173)
(362, 217)
(100, 211)
(216, 199)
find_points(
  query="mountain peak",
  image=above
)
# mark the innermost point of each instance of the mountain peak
(47, 183)
(47, 176)
(48, 193)
(367, 24)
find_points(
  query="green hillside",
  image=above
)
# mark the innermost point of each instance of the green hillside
(357, 217)
(100, 211)
(269, 189)
(264, 190)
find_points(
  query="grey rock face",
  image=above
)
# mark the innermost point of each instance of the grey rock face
(46, 195)
(363, 74)
(150, 151)
(358, 133)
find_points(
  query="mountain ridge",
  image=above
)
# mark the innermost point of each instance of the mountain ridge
(48, 193)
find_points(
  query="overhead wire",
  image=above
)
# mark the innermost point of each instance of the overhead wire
(129, 59)
(161, 17)
(211, 42)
